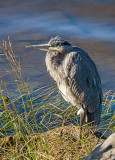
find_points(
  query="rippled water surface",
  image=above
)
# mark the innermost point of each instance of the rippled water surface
(88, 24)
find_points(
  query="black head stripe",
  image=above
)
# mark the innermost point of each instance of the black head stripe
(58, 41)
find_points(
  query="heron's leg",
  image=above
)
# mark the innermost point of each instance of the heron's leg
(82, 112)
(82, 119)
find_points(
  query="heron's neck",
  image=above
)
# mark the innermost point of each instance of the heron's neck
(54, 61)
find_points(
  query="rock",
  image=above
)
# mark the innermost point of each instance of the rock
(104, 151)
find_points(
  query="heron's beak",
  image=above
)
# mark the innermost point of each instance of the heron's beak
(43, 47)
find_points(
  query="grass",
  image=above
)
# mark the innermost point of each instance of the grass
(37, 124)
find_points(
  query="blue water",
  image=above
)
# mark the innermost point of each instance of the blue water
(80, 28)
(87, 24)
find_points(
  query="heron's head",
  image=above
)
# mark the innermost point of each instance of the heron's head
(55, 44)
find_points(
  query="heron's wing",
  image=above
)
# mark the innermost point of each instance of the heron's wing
(83, 79)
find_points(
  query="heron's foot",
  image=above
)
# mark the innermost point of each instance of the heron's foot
(80, 133)
(80, 136)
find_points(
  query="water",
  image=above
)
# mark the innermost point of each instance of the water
(87, 24)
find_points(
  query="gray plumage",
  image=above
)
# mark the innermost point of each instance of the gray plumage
(76, 76)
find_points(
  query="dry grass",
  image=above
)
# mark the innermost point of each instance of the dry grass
(62, 143)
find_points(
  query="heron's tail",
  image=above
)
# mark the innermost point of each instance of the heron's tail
(94, 117)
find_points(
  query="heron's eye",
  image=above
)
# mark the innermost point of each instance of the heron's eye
(53, 45)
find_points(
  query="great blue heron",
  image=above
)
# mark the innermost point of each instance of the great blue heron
(76, 76)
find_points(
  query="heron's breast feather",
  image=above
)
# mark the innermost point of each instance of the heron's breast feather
(67, 93)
